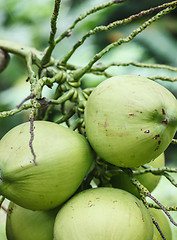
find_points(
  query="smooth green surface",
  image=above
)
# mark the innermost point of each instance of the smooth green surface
(25, 224)
(130, 120)
(102, 214)
(63, 158)
(166, 193)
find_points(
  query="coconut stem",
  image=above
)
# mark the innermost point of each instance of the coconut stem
(162, 207)
(158, 228)
(31, 140)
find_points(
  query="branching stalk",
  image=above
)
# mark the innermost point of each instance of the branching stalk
(31, 73)
(101, 67)
(110, 26)
(52, 42)
(158, 228)
(65, 117)
(15, 110)
(156, 171)
(31, 140)
(163, 78)
(170, 179)
(171, 208)
(31, 96)
(86, 14)
(79, 73)
(144, 191)
(66, 96)
(162, 207)
(20, 49)
(31, 119)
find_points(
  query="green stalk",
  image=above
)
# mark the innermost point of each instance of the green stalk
(79, 73)
(66, 96)
(19, 49)
(15, 110)
(86, 14)
(101, 67)
(171, 208)
(163, 78)
(112, 25)
(156, 171)
(52, 42)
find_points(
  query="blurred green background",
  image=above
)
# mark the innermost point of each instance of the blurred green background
(28, 23)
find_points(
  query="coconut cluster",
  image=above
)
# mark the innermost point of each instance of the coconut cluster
(129, 121)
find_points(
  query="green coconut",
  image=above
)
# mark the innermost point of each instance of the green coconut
(63, 159)
(102, 214)
(25, 224)
(130, 120)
